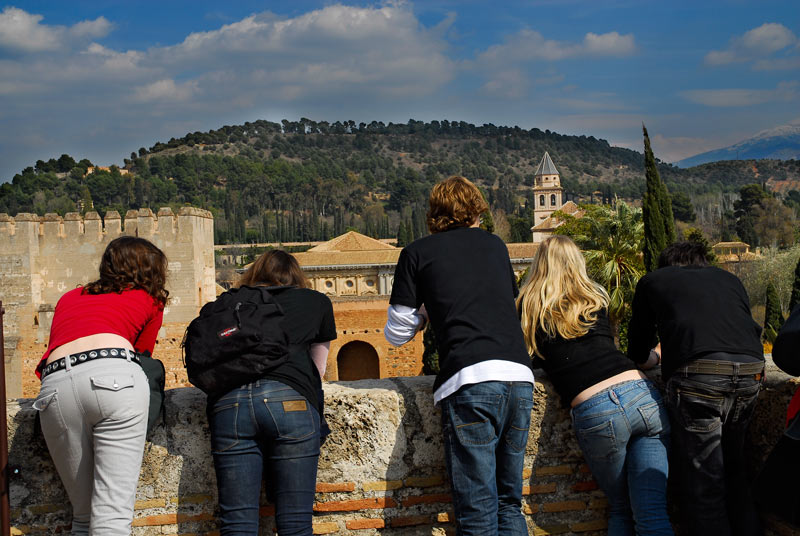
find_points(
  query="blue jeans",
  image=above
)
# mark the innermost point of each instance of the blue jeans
(710, 414)
(485, 427)
(623, 432)
(265, 428)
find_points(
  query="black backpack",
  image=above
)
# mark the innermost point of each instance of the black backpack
(235, 340)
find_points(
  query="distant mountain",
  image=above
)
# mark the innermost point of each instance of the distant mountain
(780, 143)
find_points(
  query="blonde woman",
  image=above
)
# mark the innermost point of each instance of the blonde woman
(617, 413)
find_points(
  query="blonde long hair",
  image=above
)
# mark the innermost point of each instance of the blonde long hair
(558, 298)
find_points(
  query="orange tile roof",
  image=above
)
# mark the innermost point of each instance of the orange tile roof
(350, 248)
(352, 241)
(521, 250)
(550, 223)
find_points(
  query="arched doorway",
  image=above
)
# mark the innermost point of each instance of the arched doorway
(358, 360)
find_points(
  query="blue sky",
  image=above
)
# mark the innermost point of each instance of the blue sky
(101, 79)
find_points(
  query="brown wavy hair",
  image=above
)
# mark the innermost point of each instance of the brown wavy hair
(454, 202)
(274, 268)
(128, 263)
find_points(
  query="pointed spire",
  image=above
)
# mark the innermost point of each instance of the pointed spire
(546, 166)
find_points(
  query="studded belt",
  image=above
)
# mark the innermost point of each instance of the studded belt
(89, 355)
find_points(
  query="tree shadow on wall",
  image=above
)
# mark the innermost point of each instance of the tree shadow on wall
(178, 458)
(37, 496)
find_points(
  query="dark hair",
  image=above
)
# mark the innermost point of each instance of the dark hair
(274, 268)
(454, 202)
(130, 262)
(687, 253)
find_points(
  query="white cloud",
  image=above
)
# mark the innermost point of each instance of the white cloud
(529, 45)
(755, 44)
(22, 32)
(100, 27)
(737, 98)
(165, 90)
(609, 44)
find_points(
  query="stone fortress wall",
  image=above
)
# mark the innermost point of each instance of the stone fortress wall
(43, 257)
(381, 470)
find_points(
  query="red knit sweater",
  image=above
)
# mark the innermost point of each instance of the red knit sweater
(132, 314)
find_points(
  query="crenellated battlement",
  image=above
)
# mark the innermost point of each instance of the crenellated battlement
(74, 229)
(42, 257)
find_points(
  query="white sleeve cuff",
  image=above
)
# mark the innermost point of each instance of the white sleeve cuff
(402, 323)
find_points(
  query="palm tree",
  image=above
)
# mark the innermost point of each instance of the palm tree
(611, 239)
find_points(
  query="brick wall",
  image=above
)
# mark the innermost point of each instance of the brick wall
(381, 470)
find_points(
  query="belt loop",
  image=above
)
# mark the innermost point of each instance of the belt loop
(736, 371)
(68, 362)
(128, 355)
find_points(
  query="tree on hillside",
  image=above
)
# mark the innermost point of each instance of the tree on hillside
(795, 299)
(773, 317)
(773, 223)
(750, 197)
(659, 224)
(682, 207)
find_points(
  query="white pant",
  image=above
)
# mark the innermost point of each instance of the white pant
(94, 419)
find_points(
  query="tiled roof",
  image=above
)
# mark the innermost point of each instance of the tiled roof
(349, 249)
(730, 244)
(546, 166)
(352, 241)
(521, 250)
(342, 258)
(550, 223)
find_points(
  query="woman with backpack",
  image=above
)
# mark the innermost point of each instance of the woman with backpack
(618, 415)
(94, 399)
(271, 424)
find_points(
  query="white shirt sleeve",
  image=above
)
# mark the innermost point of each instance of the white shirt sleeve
(402, 323)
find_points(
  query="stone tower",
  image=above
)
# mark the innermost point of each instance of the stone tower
(547, 189)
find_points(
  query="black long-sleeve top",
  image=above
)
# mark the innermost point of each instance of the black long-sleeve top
(786, 350)
(576, 364)
(695, 310)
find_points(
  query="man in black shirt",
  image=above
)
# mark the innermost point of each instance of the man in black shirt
(713, 364)
(462, 276)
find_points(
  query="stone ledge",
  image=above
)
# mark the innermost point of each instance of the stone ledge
(381, 467)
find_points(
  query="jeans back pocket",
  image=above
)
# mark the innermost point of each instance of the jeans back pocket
(116, 396)
(520, 422)
(224, 425)
(695, 410)
(597, 442)
(473, 418)
(52, 420)
(293, 419)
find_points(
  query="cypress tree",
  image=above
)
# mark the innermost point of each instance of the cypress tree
(401, 235)
(773, 317)
(659, 225)
(795, 300)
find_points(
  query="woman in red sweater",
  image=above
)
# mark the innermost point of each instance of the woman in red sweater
(94, 397)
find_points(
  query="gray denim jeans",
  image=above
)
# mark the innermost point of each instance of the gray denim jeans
(94, 420)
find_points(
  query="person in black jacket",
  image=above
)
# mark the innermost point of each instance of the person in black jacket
(712, 362)
(271, 425)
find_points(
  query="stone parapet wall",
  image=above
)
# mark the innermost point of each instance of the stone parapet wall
(381, 470)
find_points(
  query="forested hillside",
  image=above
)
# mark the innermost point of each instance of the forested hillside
(308, 180)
